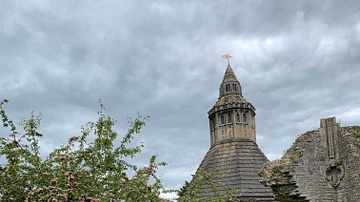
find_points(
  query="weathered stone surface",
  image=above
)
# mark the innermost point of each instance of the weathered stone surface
(232, 117)
(234, 154)
(322, 165)
(237, 163)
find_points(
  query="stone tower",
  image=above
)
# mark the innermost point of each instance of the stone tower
(234, 154)
(232, 117)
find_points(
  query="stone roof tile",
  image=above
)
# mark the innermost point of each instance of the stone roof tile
(238, 163)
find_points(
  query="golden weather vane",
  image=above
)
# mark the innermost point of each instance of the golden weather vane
(227, 56)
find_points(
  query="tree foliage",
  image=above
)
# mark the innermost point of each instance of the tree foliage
(89, 167)
(193, 191)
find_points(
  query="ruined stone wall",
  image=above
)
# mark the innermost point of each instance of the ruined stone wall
(322, 165)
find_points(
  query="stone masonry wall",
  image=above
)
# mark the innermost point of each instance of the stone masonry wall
(322, 165)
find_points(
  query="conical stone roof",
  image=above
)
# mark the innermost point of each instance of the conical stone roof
(229, 74)
(236, 164)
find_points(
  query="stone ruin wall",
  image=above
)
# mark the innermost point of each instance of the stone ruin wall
(322, 165)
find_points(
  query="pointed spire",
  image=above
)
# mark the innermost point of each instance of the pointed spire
(230, 84)
(229, 74)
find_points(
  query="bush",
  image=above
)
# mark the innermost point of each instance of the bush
(191, 192)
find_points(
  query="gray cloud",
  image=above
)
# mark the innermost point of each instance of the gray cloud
(297, 62)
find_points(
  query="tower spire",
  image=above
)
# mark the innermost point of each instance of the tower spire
(230, 84)
(231, 110)
(233, 145)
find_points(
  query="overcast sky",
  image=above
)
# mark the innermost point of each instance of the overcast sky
(297, 62)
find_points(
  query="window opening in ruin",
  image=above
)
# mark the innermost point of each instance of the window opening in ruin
(244, 118)
(237, 117)
(222, 119)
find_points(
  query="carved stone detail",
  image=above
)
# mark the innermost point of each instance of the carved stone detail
(334, 174)
(334, 171)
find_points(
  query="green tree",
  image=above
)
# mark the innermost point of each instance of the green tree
(81, 169)
(191, 192)
(183, 189)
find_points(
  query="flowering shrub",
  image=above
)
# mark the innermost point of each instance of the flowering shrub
(80, 170)
(191, 192)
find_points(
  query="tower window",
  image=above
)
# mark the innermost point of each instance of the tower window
(237, 117)
(234, 86)
(227, 87)
(244, 118)
(222, 119)
(229, 118)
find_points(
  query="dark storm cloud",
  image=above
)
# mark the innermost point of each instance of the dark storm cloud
(297, 62)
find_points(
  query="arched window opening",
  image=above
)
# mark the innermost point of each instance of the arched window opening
(244, 118)
(237, 117)
(234, 86)
(229, 118)
(222, 119)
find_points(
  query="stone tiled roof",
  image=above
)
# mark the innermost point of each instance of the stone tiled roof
(229, 74)
(237, 163)
(231, 99)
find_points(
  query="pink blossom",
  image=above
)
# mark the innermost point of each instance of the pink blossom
(63, 157)
(55, 180)
(92, 199)
(73, 138)
(69, 175)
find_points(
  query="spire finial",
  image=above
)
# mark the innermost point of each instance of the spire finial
(227, 56)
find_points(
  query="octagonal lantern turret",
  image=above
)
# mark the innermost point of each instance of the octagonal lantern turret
(232, 117)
